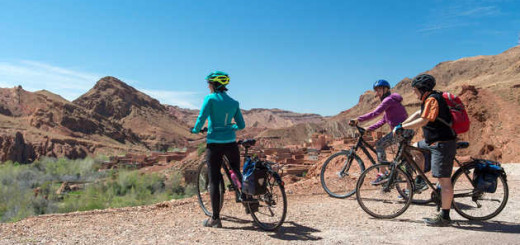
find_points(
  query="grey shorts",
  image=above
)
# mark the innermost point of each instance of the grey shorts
(442, 156)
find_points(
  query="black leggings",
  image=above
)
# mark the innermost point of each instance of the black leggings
(214, 154)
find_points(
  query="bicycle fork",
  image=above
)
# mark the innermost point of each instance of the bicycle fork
(344, 170)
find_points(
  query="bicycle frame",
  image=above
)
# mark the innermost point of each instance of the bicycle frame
(226, 167)
(361, 143)
(403, 153)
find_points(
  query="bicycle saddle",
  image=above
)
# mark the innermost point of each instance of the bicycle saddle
(462, 145)
(247, 142)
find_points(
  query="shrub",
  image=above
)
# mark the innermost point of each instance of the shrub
(112, 188)
(201, 148)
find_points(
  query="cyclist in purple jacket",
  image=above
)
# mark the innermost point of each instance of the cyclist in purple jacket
(394, 114)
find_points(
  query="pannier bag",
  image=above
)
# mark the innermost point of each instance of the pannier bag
(486, 175)
(254, 177)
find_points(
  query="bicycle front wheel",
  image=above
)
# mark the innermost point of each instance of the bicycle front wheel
(340, 173)
(474, 204)
(271, 209)
(384, 200)
(203, 186)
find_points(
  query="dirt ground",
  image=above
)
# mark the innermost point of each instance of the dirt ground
(312, 218)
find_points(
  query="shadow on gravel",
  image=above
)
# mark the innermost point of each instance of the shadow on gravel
(487, 226)
(473, 225)
(289, 231)
(400, 220)
(236, 220)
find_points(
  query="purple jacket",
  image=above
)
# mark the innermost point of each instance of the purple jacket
(394, 112)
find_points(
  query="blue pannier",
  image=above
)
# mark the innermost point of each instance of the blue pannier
(254, 175)
(486, 175)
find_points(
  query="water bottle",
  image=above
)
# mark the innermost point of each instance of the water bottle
(234, 177)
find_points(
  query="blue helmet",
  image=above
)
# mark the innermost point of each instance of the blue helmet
(381, 83)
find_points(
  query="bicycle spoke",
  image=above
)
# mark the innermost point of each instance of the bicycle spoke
(340, 173)
(387, 200)
(272, 206)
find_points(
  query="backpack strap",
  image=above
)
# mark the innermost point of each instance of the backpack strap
(448, 106)
(444, 121)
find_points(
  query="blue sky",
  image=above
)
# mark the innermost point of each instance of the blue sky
(304, 56)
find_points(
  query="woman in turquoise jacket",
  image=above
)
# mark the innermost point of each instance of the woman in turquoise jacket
(220, 110)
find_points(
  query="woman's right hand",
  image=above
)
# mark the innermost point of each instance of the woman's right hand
(353, 122)
(203, 130)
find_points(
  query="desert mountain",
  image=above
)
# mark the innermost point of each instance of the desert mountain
(136, 111)
(111, 117)
(255, 118)
(53, 126)
(488, 85)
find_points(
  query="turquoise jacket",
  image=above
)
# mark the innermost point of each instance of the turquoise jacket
(220, 109)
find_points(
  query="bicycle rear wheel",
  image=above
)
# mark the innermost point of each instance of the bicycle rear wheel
(340, 173)
(385, 200)
(473, 204)
(203, 194)
(271, 208)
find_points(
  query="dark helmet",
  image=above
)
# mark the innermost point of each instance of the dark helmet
(424, 82)
(381, 83)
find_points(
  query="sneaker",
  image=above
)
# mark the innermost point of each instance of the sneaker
(420, 186)
(210, 222)
(438, 220)
(406, 192)
(381, 178)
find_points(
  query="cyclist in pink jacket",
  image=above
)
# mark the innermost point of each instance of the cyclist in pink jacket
(394, 114)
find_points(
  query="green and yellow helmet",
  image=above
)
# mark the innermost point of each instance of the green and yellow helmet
(218, 77)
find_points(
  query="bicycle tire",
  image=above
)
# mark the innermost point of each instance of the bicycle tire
(374, 206)
(464, 204)
(269, 204)
(203, 189)
(330, 173)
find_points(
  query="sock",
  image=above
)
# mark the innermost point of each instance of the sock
(445, 213)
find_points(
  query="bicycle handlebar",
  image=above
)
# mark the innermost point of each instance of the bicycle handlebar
(353, 123)
(361, 130)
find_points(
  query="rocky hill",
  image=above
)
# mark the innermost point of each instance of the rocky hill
(136, 111)
(255, 118)
(56, 127)
(488, 85)
(111, 117)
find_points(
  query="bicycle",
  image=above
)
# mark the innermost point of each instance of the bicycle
(338, 175)
(391, 199)
(268, 210)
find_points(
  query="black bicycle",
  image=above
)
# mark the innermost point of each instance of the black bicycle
(392, 198)
(339, 173)
(268, 209)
